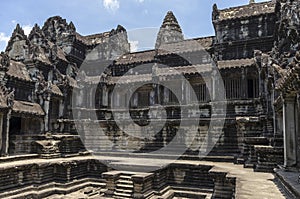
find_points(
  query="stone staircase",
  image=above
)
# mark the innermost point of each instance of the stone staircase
(124, 186)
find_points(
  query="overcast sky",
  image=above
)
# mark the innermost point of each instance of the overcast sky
(96, 16)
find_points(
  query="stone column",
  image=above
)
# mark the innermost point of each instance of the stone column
(187, 93)
(105, 96)
(159, 94)
(1, 130)
(213, 86)
(166, 95)
(61, 108)
(6, 122)
(183, 86)
(46, 109)
(289, 132)
(91, 95)
(156, 94)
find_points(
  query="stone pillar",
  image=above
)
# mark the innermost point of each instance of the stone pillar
(156, 94)
(153, 97)
(289, 132)
(86, 96)
(187, 93)
(92, 95)
(61, 108)
(159, 89)
(164, 136)
(1, 130)
(166, 95)
(105, 96)
(213, 85)
(183, 86)
(5, 137)
(46, 109)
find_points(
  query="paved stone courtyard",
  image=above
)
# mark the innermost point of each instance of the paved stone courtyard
(249, 184)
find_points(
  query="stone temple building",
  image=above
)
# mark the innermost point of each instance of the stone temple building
(74, 107)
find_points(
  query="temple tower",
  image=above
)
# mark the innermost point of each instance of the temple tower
(170, 31)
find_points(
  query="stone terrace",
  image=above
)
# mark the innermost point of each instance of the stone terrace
(249, 184)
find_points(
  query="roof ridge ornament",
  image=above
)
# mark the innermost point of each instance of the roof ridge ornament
(251, 1)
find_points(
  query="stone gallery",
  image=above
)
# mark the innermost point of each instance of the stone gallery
(208, 117)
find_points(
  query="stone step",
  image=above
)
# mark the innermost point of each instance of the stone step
(124, 181)
(123, 194)
(118, 197)
(125, 185)
(123, 176)
(124, 190)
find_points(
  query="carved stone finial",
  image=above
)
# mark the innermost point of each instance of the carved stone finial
(251, 1)
(72, 27)
(215, 13)
(170, 20)
(36, 30)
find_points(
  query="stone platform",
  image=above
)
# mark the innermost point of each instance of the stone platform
(84, 175)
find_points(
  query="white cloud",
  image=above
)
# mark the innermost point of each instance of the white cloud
(27, 29)
(134, 45)
(111, 5)
(140, 1)
(13, 21)
(3, 37)
(3, 40)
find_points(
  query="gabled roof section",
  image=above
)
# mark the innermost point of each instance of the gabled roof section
(92, 39)
(56, 90)
(28, 108)
(206, 42)
(252, 9)
(136, 57)
(235, 63)
(19, 71)
(95, 39)
(186, 46)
